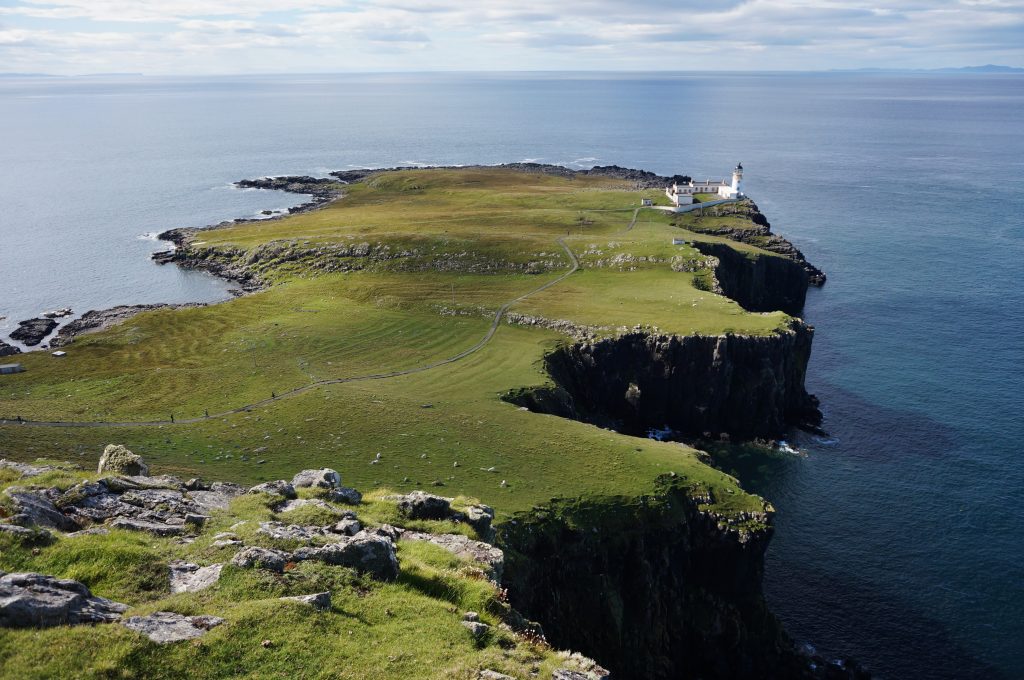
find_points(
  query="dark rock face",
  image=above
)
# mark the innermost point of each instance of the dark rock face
(33, 331)
(36, 508)
(742, 386)
(651, 589)
(8, 350)
(763, 283)
(763, 238)
(30, 600)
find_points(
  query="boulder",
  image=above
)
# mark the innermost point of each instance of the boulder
(278, 487)
(191, 578)
(367, 553)
(422, 505)
(29, 600)
(346, 495)
(155, 528)
(325, 478)
(166, 627)
(34, 508)
(317, 600)
(119, 460)
(261, 558)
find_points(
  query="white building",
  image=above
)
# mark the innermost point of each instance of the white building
(682, 194)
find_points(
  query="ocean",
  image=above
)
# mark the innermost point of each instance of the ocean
(898, 536)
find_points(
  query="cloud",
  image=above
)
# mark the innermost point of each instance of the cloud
(281, 35)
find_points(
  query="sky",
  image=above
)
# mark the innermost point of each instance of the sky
(155, 37)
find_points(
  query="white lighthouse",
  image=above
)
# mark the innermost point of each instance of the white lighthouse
(737, 181)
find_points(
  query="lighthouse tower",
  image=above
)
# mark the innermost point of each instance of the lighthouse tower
(737, 181)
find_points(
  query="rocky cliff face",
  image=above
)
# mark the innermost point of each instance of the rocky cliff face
(652, 587)
(743, 386)
(760, 283)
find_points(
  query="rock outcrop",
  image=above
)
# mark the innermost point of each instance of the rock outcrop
(33, 331)
(742, 386)
(29, 600)
(8, 350)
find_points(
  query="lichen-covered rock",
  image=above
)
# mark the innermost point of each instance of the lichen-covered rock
(367, 553)
(166, 627)
(119, 460)
(29, 600)
(422, 505)
(278, 487)
(325, 478)
(317, 600)
(261, 558)
(191, 578)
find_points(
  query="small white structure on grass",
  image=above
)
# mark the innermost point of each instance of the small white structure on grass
(682, 194)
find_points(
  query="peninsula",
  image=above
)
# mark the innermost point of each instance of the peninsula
(482, 352)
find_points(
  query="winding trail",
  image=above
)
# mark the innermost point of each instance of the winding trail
(331, 381)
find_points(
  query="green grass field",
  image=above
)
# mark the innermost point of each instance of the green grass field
(390, 314)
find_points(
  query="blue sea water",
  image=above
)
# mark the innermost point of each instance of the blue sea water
(898, 537)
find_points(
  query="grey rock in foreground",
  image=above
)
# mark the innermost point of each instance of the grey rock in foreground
(166, 627)
(191, 578)
(325, 478)
(154, 528)
(30, 600)
(119, 460)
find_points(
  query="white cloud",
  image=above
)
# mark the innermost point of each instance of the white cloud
(281, 35)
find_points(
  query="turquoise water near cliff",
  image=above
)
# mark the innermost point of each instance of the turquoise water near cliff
(898, 537)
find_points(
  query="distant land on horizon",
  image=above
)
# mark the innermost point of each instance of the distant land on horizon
(987, 68)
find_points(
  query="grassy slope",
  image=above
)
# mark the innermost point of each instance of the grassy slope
(311, 326)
